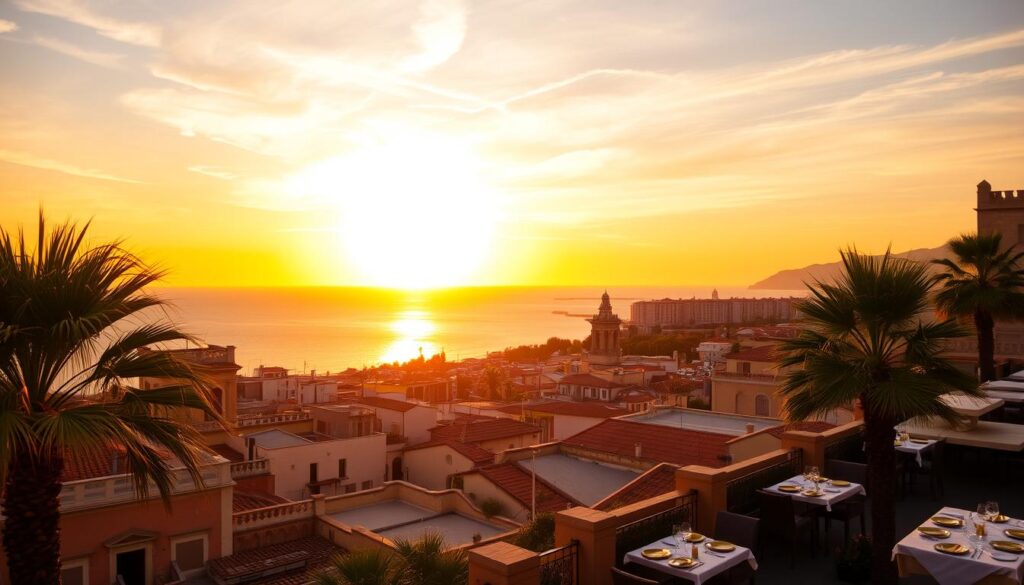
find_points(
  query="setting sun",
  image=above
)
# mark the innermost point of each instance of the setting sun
(413, 210)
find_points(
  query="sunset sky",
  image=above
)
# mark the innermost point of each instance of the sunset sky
(439, 142)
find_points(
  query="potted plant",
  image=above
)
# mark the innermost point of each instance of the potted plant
(854, 564)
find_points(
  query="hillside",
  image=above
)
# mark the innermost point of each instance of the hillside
(794, 279)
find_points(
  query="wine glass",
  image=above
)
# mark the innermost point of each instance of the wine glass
(992, 510)
(807, 473)
(684, 535)
(815, 474)
(677, 535)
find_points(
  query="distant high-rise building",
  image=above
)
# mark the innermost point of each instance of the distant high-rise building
(605, 334)
(646, 315)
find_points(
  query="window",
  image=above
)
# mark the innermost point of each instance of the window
(448, 459)
(762, 406)
(349, 488)
(367, 485)
(342, 468)
(75, 572)
(604, 394)
(189, 552)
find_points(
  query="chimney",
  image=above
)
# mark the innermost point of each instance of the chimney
(638, 450)
(750, 428)
(250, 447)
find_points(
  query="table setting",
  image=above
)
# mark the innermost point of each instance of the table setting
(906, 443)
(812, 488)
(957, 546)
(690, 555)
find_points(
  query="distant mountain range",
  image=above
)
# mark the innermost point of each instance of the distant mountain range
(795, 279)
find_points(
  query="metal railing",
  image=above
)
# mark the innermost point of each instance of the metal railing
(561, 566)
(739, 492)
(753, 377)
(647, 530)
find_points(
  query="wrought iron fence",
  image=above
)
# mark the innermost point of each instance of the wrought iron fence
(849, 448)
(647, 530)
(739, 492)
(561, 566)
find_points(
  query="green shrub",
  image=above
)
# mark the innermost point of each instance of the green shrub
(538, 534)
(492, 507)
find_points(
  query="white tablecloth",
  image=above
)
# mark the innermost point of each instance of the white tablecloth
(1009, 385)
(831, 496)
(916, 449)
(1012, 396)
(710, 566)
(955, 570)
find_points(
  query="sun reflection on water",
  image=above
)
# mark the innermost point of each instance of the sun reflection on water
(413, 331)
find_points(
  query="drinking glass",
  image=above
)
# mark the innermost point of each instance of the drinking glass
(677, 535)
(992, 510)
(684, 535)
(807, 472)
(815, 474)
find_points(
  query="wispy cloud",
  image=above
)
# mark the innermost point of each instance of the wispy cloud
(30, 160)
(79, 12)
(110, 60)
(7, 26)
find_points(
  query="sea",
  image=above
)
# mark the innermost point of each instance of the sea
(334, 328)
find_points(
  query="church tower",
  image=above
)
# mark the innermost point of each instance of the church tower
(605, 331)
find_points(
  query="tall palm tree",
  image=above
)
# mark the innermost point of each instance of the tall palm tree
(420, 562)
(984, 283)
(867, 339)
(72, 320)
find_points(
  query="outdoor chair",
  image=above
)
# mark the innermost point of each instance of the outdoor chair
(743, 531)
(620, 577)
(781, 522)
(852, 507)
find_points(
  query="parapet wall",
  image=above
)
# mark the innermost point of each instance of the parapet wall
(989, 198)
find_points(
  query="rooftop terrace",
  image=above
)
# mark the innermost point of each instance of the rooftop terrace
(397, 519)
(699, 420)
(587, 482)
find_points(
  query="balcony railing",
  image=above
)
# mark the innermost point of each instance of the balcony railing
(561, 566)
(273, 515)
(848, 448)
(272, 419)
(116, 489)
(739, 492)
(249, 468)
(647, 530)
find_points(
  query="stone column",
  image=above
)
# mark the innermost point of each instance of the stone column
(595, 531)
(710, 485)
(501, 563)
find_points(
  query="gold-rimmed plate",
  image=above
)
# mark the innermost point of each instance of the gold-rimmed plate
(999, 519)
(695, 537)
(840, 483)
(934, 532)
(656, 553)
(919, 441)
(1014, 533)
(947, 521)
(682, 563)
(1007, 546)
(720, 546)
(789, 488)
(812, 493)
(952, 548)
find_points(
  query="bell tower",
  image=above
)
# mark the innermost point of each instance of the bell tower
(605, 332)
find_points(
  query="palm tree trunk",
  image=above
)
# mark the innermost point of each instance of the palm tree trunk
(32, 519)
(881, 457)
(985, 325)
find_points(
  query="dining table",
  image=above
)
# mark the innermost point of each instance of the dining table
(830, 493)
(970, 407)
(915, 447)
(986, 434)
(917, 554)
(710, 563)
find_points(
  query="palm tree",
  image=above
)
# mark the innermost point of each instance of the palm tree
(72, 320)
(420, 562)
(867, 339)
(983, 283)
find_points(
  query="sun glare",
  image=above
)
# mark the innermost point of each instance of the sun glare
(413, 331)
(414, 210)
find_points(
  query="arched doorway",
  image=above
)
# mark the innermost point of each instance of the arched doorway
(396, 469)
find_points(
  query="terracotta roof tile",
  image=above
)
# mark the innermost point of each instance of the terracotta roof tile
(227, 452)
(765, 353)
(589, 380)
(658, 443)
(518, 483)
(655, 481)
(478, 455)
(314, 551)
(242, 500)
(478, 430)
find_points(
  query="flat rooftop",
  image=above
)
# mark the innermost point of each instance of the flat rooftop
(396, 519)
(710, 422)
(276, 438)
(586, 481)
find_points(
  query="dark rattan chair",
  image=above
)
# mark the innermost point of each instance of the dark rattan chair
(781, 522)
(620, 577)
(851, 508)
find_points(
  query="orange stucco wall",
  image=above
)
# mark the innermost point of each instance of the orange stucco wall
(83, 533)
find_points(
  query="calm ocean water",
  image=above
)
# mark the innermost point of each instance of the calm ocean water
(335, 328)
